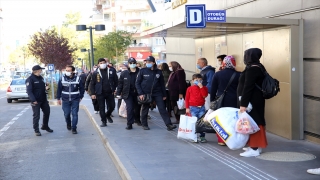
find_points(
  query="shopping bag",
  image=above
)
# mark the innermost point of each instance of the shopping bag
(181, 103)
(223, 122)
(246, 125)
(123, 109)
(187, 128)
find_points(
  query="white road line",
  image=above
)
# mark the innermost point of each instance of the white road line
(7, 126)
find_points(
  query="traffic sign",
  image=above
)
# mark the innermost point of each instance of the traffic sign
(196, 16)
(216, 16)
(50, 67)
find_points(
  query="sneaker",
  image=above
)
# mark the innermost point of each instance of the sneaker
(171, 127)
(69, 127)
(221, 144)
(37, 132)
(74, 131)
(247, 148)
(250, 153)
(314, 171)
(109, 119)
(47, 129)
(145, 127)
(96, 112)
(138, 123)
(111, 115)
(203, 140)
(129, 127)
(104, 124)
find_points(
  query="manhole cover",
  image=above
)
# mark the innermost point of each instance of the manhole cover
(286, 156)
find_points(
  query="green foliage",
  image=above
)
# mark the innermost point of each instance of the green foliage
(112, 45)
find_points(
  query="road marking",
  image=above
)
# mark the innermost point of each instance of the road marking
(3, 97)
(7, 126)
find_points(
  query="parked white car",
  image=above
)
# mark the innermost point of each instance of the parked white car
(17, 90)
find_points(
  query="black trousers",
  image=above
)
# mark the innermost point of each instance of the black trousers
(133, 109)
(104, 99)
(168, 102)
(44, 106)
(95, 104)
(161, 107)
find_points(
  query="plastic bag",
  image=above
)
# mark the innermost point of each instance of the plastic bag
(223, 122)
(246, 125)
(181, 103)
(123, 109)
(207, 114)
(187, 128)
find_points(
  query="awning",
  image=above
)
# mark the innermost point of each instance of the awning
(231, 26)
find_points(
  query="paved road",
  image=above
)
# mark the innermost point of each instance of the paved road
(57, 155)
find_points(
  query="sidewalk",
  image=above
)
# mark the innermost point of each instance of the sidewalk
(158, 154)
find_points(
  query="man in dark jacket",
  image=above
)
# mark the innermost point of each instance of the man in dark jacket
(207, 73)
(70, 90)
(36, 89)
(150, 81)
(87, 89)
(83, 78)
(104, 82)
(127, 90)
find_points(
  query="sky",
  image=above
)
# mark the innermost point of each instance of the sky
(22, 18)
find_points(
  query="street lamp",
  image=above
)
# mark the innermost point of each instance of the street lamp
(88, 50)
(99, 27)
(81, 59)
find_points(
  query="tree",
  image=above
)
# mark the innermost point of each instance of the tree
(51, 48)
(113, 45)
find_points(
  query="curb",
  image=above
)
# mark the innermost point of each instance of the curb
(120, 167)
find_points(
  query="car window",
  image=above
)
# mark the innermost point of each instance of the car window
(18, 82)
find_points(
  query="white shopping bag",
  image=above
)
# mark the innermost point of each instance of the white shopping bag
(207, 115)
(223, 121)
(181, 103)
(187, 128)
(246, 125)
(123, 109)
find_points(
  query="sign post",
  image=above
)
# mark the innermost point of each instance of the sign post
(51, 69)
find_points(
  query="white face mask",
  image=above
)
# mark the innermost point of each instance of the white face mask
(170, 68)
(103, 66)
(68, 73)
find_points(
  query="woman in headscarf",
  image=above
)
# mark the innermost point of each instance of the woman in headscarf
(219, 83)
(253, 75)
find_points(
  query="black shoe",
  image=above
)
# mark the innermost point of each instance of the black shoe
(37, 132)
(47, 129)
(69, 127)
(129, 127)
(74, 131)
(104, 124)
(170, 127)
(109, 119)
(111, 115)
(145, 127)
(138, 123)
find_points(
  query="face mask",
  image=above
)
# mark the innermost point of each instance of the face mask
(219, 63)
(170, 68)
(149, 65)
(195, 82)
(132, 66)
(68, 73)
(103, 66)
(198, 66)
(63, 72)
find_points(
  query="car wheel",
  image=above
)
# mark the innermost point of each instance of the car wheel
(16, 99)
(9, 100)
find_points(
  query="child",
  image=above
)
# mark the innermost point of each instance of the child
(195, 100)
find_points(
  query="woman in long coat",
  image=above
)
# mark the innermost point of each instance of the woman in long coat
(253, 75)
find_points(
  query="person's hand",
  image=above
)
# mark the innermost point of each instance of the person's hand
(141, 97)
(35, 102)
(93, 97)
(59, 102)
(243, 109)
(164, 98)
(187, 111)
(180, 96)
(200, 85)
(47, 87)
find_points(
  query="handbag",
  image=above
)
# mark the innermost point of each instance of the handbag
(217, 103)
(147, 98)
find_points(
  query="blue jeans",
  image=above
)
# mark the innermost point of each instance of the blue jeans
(198, 112)
(71, 107)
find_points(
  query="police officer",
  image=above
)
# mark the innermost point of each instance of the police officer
(150, 81)
(36, 89)
(127, 90)
(104, 82)
(71, 90)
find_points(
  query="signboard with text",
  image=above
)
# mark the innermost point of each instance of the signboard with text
(216, 16)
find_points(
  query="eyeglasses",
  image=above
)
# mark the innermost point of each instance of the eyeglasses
(132, 63)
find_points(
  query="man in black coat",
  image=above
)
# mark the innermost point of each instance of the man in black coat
(103, 85)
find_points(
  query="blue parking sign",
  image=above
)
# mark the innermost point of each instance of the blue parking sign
(216, 16)
(50, 67)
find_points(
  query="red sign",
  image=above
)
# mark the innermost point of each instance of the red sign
(139, 56)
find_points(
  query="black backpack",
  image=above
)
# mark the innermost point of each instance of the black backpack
(270, 86)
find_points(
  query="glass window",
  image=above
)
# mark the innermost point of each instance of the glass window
(18, 82)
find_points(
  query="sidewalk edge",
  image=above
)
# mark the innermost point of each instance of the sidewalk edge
(120, 167)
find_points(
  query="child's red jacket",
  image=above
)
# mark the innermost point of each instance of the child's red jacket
(195, 96)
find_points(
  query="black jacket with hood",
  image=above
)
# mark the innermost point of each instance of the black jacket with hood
(124, 83)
